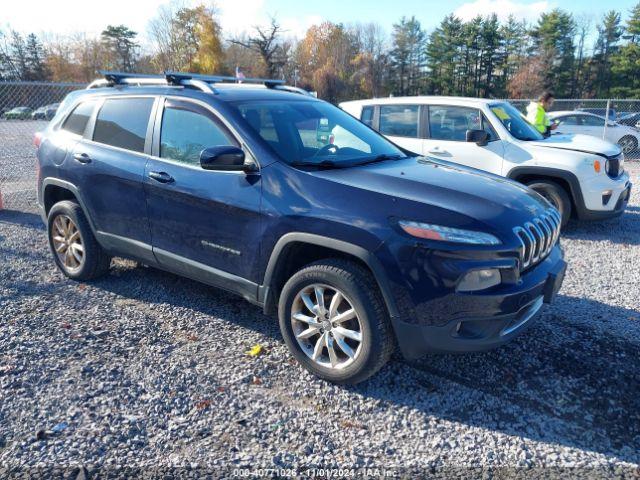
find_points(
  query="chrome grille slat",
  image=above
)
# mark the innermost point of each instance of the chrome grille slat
(538, 237)
(537, 240)
(542, 225)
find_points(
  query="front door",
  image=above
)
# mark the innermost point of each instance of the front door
(591, 125)
(204, 224)
(447, 129)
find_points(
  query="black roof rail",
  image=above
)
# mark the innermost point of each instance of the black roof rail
(195, 80)
(177, 76)
(120, 77)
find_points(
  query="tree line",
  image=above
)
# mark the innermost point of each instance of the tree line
(483, 57)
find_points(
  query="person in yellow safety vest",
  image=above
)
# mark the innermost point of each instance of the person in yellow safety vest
(537, 114)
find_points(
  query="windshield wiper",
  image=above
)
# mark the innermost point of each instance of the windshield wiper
(328, 164)
(381, 158)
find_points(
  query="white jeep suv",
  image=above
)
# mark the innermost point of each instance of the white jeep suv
(581, 176)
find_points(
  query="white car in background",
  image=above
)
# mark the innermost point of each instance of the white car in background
(582, 176)
(591, 124)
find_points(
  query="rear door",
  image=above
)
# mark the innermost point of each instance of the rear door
(205, 224)
(108, 168)
(402, 125)
(447, 133)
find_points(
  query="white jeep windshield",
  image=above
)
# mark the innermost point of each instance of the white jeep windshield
(316, 134)
(515, 122)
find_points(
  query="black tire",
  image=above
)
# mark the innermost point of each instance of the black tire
(628, 143)
(95, 261)
(362, 292)
(556, 195)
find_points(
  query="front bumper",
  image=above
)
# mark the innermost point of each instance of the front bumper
(618, 205)
(597, 206)
(481, 328)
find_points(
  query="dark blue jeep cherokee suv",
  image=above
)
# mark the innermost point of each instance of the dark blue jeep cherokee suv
(300, 208)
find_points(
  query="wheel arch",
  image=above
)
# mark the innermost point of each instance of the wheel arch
(296, 249)
(55, 190)
(565, 179)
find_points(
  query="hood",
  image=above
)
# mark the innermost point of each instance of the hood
(579, 143)
(469, 195)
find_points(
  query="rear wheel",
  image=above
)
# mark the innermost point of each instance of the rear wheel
(556, 195)
(628, 144)
(75, 250)
(334, 321)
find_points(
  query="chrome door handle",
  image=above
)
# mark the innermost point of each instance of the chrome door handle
(82, 158)
(162, 177)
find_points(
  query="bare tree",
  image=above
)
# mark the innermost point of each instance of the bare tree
(266, 42)
(584, 23)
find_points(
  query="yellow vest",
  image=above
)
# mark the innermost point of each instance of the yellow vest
(538, 117)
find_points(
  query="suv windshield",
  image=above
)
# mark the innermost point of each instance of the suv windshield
(316, 134)
(515, 122)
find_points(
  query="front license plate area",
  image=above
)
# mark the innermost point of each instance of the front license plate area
(554, 282)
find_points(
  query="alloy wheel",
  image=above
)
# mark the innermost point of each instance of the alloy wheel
(326, 326)
(627, 144)
(67, 243)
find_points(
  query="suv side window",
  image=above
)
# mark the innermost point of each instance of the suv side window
(589, 121)
(569, 120)
(399, 120)
(452, 122)
(187, 129)
(77, 121)
(122, 122)
(367, 116)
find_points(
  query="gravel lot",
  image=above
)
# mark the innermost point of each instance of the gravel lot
(144, 369)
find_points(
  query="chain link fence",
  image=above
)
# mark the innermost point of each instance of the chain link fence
(26, 107)
(587, 117)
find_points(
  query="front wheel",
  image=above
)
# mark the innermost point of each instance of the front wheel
(628, 144)
(334, 321)
(556, 195)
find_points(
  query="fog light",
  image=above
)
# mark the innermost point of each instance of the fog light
(479, 280)
(606, 196)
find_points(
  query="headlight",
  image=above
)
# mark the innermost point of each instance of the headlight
(447, 234)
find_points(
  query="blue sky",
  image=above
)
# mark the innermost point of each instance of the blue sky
(90, 16)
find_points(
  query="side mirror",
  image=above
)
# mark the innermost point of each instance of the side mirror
(225, 158)
(479, 137)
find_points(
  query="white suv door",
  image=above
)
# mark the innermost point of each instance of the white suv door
(401, 125)
(446, 138)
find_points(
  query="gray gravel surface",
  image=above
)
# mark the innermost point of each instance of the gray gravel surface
(144, 369)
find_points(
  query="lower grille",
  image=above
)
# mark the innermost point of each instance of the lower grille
(538, 237)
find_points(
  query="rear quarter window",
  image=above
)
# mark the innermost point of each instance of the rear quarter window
(77, 121)
(122, 122)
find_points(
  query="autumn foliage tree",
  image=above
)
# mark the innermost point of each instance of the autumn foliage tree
(571, 55)
(187, 39)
